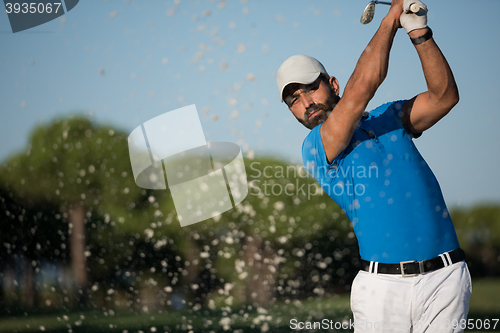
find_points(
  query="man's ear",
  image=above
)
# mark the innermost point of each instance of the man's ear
(335, 84)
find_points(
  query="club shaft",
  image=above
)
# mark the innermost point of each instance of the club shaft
(382, 2)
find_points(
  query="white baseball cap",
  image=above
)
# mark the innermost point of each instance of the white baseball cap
(298, 69)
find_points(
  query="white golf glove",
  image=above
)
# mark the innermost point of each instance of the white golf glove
(410, 20)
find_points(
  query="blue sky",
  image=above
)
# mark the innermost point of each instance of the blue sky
(125, 62)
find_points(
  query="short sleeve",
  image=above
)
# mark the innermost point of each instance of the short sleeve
(397, 110)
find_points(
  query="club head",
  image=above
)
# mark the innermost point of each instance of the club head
(368, 13)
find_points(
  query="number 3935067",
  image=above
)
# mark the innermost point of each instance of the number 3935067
(32, 7)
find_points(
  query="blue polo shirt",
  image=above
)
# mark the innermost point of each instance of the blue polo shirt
(386, 189)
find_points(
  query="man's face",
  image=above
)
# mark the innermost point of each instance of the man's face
(311, 104)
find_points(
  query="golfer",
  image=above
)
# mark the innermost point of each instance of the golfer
(414, 278)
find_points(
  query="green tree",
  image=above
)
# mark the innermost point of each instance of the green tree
(478, 231)
(83, 169)
(27, 234)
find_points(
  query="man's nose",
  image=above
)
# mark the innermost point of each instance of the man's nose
(307, 101)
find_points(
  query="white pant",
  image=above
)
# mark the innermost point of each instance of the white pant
(432, 302)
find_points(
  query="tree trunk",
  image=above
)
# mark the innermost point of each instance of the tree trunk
(488, 256)
(2, 282)
(78, 258)
(259, 259)
(29, 288)
(191, 270)
(9, 285)
(192, 256)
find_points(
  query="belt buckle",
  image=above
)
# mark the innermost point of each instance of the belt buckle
(402, 263)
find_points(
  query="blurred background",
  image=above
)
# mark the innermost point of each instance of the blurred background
(83, 249)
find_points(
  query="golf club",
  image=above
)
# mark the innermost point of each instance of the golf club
(369, 11)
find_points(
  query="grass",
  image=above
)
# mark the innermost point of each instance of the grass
(485, 304)
(485, 296)
(245, 320)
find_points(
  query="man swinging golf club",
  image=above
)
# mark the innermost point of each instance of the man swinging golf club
(414, 278)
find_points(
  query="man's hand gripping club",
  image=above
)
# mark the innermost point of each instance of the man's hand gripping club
(412, 21)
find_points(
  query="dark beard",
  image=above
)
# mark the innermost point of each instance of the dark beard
(323, 114)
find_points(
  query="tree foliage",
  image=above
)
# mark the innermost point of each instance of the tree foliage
(478, 231)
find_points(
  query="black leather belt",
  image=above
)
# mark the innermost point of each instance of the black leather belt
(413, 267)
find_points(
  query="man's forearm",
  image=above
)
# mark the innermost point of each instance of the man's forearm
(441, 84)
(372, 66)
(427, 108)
